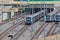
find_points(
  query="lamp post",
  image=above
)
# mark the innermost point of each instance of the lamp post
(21, 13)
(57, 31)
(44, 20)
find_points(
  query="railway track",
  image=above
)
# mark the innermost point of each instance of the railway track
(52, 33)
(52, 29)
(20, 32)
(41, 34)
(57, 31)
(10, 29)
(39, 31)
(9, 20)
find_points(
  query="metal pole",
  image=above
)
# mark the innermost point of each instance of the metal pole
(21, 13)
(56, 36)
(57, 30)
(17, 20)
(44, 20)
(44, 34)
(32, 10)
(2, 17)
(9, 18)
(31, 27)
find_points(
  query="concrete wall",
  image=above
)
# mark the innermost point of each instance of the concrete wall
(5, 16)
(12, 14)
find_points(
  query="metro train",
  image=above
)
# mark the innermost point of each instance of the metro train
(50, 17)
(34, 17)
(57, 18)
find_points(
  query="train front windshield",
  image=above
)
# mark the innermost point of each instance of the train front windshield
(48, 17)
(28, 19)
(57, 17)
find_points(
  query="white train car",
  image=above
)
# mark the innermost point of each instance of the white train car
(57, 18)
(34, 17)
(49, 17)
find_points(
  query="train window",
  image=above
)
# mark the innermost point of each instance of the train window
(47, 16)
(57, 16)
(28, 18)
(57, 19)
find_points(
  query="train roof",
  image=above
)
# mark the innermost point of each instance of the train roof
(53, 12)
(36, 13)
(58, 13)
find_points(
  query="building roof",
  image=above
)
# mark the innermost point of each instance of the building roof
(9, 10)
(58, 13)
(18, 2)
